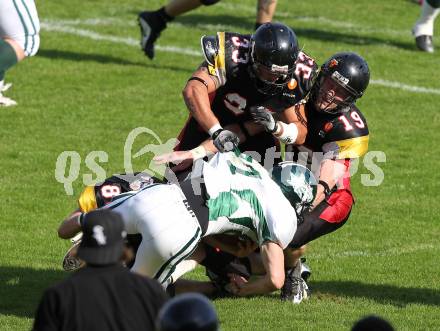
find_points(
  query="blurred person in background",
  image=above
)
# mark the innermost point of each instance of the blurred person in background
(103, 295)
(189, 311)
(423, 30)
(19, 38)
(152, 23)
(372, 323)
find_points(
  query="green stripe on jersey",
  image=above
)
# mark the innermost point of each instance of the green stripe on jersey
(22, 23)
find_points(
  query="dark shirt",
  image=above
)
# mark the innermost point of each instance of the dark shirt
(101, 298)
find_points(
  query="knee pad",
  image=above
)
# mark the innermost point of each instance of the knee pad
(208, 2)
(434, 3)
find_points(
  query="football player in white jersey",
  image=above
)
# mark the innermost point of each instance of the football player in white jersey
(19, 37)
(230, 194)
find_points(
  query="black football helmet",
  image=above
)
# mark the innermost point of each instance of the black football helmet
(342, 79)
(274, 52)
(189, 311)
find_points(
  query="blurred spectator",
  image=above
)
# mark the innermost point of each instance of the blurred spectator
(103, 295)
(19, 38)
(423, 30)
(191, 311)
(152, 23)
(372, 323)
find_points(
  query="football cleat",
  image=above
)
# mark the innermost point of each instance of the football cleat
(306, 272)
(424, 43)
(295, 288)
(151, 25)
(4, 101)
(70, 261)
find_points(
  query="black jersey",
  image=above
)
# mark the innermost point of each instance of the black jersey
(228, 56)
(229, 59)
(96, 196)
(332, 136)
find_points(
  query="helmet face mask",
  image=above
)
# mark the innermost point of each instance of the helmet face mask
(297, 183)
(341, 81)
(332, 97)
(274, 52)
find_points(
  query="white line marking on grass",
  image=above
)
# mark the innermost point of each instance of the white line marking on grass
(119, 40)
(388, 252)
(58, 26)
(405, 87)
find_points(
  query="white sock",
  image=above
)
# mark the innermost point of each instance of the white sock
(182, 268)
(425, 24)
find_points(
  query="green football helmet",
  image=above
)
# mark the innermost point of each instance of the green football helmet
(297, 183)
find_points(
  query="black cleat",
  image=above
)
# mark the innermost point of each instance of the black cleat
(424, 43)
(295, 288)
(151, 25)
(306, 272)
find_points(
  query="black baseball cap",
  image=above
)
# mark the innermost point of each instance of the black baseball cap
(103, 237)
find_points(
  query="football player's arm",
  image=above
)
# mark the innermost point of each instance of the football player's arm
(184, 159)
(196, 96)
(273, 261)
(71, 225)
(330, 173)
(295, 115)
(290, 126)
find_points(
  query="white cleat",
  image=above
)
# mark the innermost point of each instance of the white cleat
(6, 102)
(4, 87)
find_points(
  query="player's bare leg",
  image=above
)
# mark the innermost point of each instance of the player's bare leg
(265, 11)
(152, 23)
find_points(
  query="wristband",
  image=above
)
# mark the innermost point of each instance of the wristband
(214, 129)
(198, 152)
(286, 133)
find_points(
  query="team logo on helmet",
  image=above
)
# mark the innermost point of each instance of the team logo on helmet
(333, 63)
(339, 78)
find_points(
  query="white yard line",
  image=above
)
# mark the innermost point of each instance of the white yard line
(388, 252)
(119, 40)
(68, 26)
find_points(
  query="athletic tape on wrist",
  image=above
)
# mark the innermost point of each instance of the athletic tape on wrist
(214, 129)
(288, 132)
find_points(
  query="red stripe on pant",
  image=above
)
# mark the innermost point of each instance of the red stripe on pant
(340, 204)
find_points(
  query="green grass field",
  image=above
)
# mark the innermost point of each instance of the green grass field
(90, 85)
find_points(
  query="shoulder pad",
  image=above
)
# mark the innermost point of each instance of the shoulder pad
(210, 48)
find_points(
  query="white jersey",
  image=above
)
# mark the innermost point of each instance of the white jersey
(244, 200)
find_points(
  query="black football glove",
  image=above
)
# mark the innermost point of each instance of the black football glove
(263, 116)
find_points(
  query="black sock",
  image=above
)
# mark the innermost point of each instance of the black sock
(164, 16)
(257, 25)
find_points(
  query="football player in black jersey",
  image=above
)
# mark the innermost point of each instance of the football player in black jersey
(242, 72)
(97, 196)
(337, 133)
